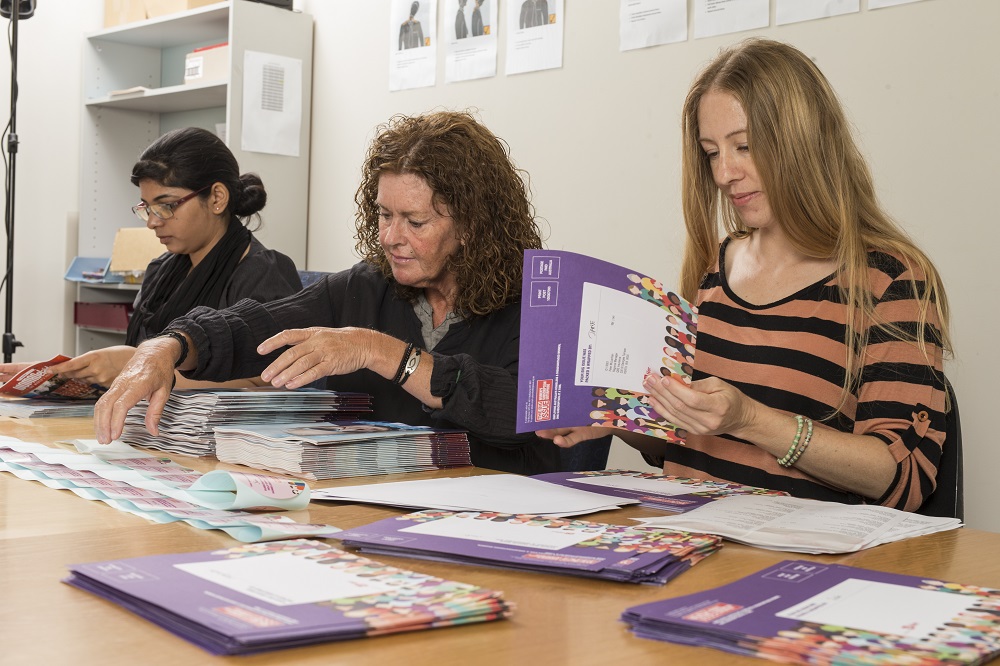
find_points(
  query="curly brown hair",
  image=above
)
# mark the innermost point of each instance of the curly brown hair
(470, 171)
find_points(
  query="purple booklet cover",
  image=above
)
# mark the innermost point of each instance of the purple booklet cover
(282, 594)
(801, 611)
(666, 492)
(537, 543)
(590, 332)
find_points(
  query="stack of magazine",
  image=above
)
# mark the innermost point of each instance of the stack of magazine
(342, 448)
(189, 417)
(536, 543)
(282, 594)
(807, 612)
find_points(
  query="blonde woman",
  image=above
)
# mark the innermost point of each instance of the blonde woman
(822, 327)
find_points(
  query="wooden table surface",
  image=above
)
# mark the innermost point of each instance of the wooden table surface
(558, 619)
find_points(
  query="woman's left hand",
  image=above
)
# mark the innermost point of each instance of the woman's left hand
(706, 407)
(315, 353)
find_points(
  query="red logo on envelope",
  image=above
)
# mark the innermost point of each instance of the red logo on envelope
(543, 400)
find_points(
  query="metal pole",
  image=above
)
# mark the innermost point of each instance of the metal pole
(10, 343)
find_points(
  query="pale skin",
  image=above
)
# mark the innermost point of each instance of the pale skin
(196, 226)
(762, 268)
(417, 236)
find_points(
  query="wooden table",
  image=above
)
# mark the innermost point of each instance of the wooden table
(559, 619)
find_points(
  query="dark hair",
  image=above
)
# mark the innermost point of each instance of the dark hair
(194, 158)
(469, 170)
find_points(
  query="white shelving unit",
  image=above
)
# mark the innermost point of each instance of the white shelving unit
(116, 129)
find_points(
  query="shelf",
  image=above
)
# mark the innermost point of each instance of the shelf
(169, 99)
(171, 30)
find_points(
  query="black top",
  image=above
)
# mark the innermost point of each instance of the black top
(475, 364)
(263, 275)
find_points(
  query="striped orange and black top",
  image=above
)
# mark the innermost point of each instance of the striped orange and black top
(790, 355)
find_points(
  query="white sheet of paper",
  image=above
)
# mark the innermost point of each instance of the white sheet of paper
(879, 4)
(473, 56)
(620, 336)
(794, 11)
(506, 533)
(272, 103)
(721, 17)
(645, 23)
(880, 607)
(504, 493)
(283, 579)
(534, 35)
(412, 45)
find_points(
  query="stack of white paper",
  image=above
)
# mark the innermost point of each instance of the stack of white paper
(503, 493)
(803, 525)
(189, 416)
(342, 448)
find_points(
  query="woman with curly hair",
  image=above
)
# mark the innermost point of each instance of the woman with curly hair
(427, 322)
(822, 327)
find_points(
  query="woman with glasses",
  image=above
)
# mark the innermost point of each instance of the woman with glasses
(193, 197)
(428, 323)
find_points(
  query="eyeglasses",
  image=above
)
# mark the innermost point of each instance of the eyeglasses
(164, 211)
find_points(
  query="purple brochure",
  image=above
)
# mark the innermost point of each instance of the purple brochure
(537, 543)
(280, 594)
(590, 332)
(665, 492)
(801, 611)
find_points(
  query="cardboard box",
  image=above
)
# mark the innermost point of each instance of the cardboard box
(156, 8)
(113, 316)
(117, 12)
(132, 251)
(208, 63)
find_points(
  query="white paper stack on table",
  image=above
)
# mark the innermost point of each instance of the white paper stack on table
(802, 525)
(504, 493)
(342, 448)
(36, 408)
(190, 416)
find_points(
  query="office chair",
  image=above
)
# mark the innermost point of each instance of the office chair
(948, 498)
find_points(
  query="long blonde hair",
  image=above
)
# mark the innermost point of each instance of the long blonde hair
(817, 182)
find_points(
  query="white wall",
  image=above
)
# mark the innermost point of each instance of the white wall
(600, 138)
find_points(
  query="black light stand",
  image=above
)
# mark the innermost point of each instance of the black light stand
(15, 10)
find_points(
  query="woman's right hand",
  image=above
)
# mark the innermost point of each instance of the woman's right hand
(567, 437)
(149, 375)
(99, 366)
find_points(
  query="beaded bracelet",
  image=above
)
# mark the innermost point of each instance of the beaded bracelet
(785, 460)
(402, 363)
(803, 445)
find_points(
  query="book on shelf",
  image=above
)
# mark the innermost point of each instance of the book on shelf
(622, 553)
(282, 594)
(806, 612)
(591, 331)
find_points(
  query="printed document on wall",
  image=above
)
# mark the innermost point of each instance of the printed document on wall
(794, 11)
(645, 23)
(534, 35)
(879, 4)
(721, 17)
(471, 39)
(272, 104)
(412, 44)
